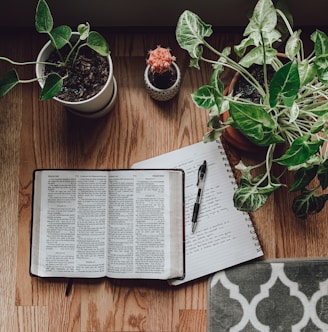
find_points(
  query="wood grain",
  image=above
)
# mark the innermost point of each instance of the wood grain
(36, 134)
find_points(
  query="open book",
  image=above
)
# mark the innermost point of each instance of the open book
(108, 223)
(224, 236)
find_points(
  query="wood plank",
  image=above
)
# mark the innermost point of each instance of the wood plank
(10, 125)
(32, 318)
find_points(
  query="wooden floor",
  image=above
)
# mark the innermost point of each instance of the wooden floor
(36, 134)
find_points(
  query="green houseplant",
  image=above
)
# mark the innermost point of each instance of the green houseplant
(68, 47)
(292, 111)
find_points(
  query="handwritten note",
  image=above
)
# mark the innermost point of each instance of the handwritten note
(224, 236)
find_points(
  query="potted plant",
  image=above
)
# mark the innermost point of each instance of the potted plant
(289, 120)
(162, 75)
(67, 67)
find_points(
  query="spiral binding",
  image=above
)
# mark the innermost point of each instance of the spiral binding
(227, 164)
(234, 184)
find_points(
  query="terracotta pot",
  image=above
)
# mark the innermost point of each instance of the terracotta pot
(163, 94)
(232, 135)
(94, 107)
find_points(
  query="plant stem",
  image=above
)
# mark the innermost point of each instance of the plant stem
(268, 161)
(265, 74)
(28, 81)
(290, 30)
(72, 50)
(233, 65)
(15, 63)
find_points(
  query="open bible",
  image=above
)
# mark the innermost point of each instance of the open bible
(108, 223)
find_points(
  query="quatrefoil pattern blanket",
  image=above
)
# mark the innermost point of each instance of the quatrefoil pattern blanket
(290, 295)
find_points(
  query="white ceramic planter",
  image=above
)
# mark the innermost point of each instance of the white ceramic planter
(96, 106)
(163, 94)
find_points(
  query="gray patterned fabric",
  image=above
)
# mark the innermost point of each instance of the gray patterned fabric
(290, 295)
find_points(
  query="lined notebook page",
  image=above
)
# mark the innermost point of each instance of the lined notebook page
(224, 236)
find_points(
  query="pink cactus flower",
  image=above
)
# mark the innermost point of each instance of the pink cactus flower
(160, 59)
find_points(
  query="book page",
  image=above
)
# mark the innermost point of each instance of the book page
(133, 217)
(224, 236)
(145, 223)
(69, 223)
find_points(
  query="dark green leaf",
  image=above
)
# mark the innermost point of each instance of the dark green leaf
(52, 86)
(9, 80)
(307, 203)
(214, 122)
(43, 18)
(303, 177)
(98, 43)
(323, 174)
(285, 84)
(60, 36)
(300, 151)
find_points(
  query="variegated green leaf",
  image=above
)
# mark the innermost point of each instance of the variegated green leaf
(300, 151)
(83, 30)
(293, 45)
(250, 196)
(308, 202)
(190, 34)
(294, 112)
(205, 97)
(306, 72)
(264, 17)
(303, 177)
(255, 56)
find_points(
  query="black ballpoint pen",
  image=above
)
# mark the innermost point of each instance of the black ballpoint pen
(200, 184)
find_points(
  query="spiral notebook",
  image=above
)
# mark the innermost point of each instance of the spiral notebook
(224, 236)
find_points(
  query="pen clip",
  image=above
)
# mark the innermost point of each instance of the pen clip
(201, 173)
